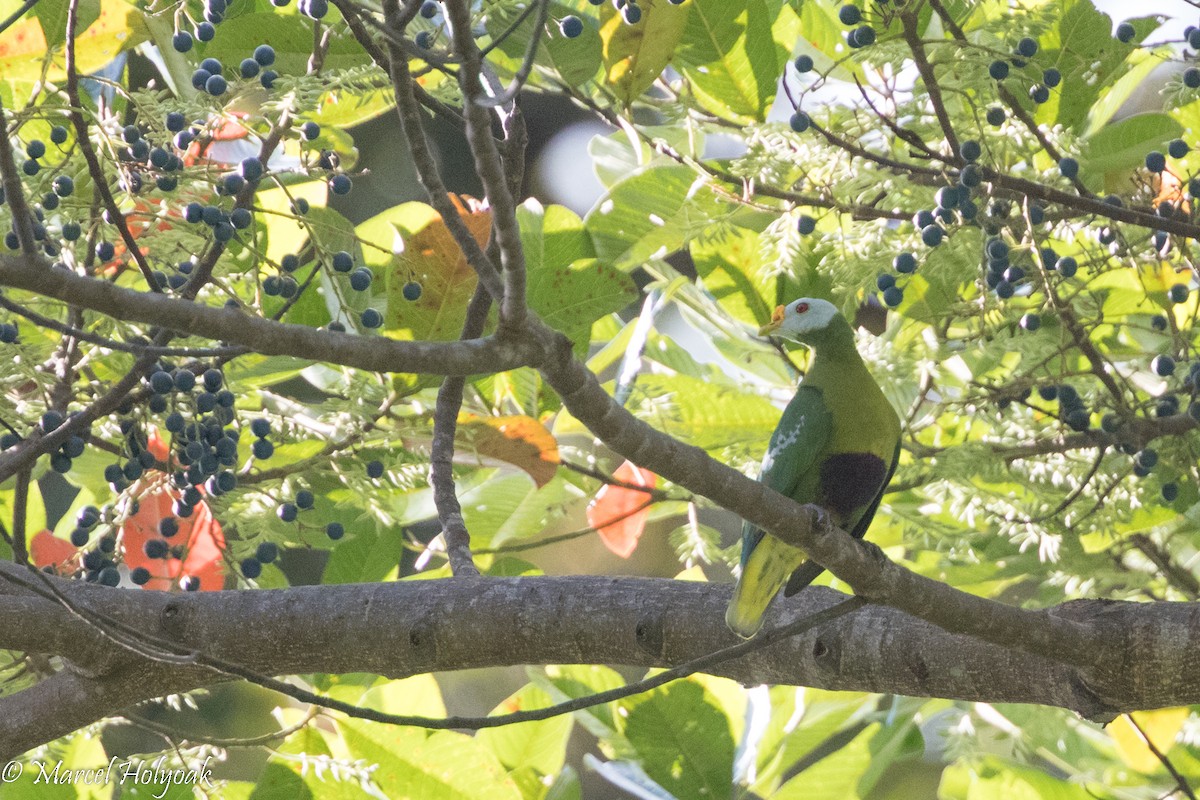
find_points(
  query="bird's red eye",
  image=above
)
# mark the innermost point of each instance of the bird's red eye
(801, 308)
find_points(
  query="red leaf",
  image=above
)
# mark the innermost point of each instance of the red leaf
(200, 533)
(619, 514)
(46, 549)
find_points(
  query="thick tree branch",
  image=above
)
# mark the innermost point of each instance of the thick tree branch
(402, 629)
(377, 354)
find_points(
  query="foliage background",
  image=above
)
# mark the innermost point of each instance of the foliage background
(1000, 491)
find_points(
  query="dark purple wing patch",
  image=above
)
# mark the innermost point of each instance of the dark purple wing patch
(851, 482)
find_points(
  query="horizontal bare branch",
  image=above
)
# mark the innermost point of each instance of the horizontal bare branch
(377, 354)
(401, 629)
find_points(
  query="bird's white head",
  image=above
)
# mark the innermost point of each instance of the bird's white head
(800, 318)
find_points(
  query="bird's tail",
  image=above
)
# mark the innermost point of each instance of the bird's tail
(764, 572)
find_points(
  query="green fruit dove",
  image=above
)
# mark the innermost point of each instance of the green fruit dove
(836, 446)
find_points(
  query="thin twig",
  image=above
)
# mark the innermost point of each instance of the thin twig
(408, 110)
(16, 15)
(489, 166)
(95, 170)
(14, 191)
(908, 19)
(1180, 780)
(441, 458)
(522, 73)
(112, 344)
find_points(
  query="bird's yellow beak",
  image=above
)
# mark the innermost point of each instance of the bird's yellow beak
(773, 325)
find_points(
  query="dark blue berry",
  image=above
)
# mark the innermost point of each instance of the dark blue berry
(262, 449)
(411, 291)
(341, 184)
(1163, 366)
(1069, 167)
(251, 567)
(375, 469)
(570, 26)
(267, 552)
(249, 68)
(850, 15)
(335, 530)
(1125, 32)
(801, 121)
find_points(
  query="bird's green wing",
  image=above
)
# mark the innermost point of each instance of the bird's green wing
(790, 467)
(809, 571)
(799, 440)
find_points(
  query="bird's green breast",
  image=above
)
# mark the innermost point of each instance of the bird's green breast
(863, 421)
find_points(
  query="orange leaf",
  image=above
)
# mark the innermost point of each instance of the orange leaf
(518, 440)
(46, 549)
(619, 514)
(200, 533)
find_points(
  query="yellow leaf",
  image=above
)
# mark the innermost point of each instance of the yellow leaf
(1160, 725)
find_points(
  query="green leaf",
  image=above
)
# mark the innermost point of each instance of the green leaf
(366, 555)
(1123, 145)
(292, 37)
(994, 779)
(1140, 66)
(539, 745)
(824, 40)
(649, 213)
(35, 509)
(682, 740)
(52, 14)
(568, 682)
(575, 60)
(445, 765)
(729, 56)
(704, 413)
(834, 777)
(635, 55)
(567, 286)
(1084, 50)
